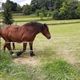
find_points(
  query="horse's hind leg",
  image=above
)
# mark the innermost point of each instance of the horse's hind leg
(24, 46)
(4, 47)
(31, 49)
(8, 46)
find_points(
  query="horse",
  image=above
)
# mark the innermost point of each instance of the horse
(25, 33)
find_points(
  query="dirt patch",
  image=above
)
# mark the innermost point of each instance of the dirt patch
(31, 61)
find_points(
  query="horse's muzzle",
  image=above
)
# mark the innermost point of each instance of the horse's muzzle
(49, 37)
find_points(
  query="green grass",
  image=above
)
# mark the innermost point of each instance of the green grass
(57, 59)
(60, 70)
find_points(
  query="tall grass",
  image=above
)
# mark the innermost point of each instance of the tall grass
(61, 70)
(10, 70)
(50, 69)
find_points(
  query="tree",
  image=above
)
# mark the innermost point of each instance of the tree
(34, 5)
(14, 6)
(78, 10)
(7, 14)
(26, 9)
(47, 4)
(18, 9)
(55, 14)
(39, 4)
(68, 10)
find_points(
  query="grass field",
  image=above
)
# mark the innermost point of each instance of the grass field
(56, 59)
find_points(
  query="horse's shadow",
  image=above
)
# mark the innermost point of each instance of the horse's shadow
(16, 54)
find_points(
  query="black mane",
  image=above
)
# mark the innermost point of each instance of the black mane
(34, 24)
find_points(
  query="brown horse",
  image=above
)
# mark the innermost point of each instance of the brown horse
(25, 33)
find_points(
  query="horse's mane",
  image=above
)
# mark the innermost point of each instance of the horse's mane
(33, 24)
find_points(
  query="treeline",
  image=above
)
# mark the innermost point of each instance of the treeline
(57, 9)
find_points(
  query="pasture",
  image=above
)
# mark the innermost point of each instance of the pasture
(56, 59)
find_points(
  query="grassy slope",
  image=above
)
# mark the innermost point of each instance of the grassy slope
(58, 58)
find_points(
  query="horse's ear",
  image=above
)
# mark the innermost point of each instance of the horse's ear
(45, 25)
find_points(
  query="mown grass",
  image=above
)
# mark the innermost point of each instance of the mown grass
(59, 58)
(48, 20)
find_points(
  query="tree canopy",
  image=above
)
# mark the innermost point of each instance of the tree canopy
(61, 9)
(14, 6)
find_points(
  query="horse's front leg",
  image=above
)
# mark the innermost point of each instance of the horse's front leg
(31, 49)
(13, 44)
(24, 49)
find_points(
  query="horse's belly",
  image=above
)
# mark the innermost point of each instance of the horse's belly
(22, 37)
(19, 40)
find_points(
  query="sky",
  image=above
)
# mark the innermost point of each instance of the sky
(21, 2)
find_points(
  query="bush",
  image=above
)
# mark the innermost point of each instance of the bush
(41, 16)
(27, 9)
(55, 14)
(37, 12)
(49, 13)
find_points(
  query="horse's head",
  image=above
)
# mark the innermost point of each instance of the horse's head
(45, 31)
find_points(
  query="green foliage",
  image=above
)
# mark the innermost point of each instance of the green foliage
(18, 9)
(26, 9)
(41, 15)
(47, 4)
(68, 10)
(59, 9)
(62, 9)
(44, 12)
(7, 14)
(37, 12)
(14, 6)
(78, 10)
(49, 13)
(55, 14)
(11, 71)
(4, 61)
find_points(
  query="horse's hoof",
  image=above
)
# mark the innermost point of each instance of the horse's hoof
(19, 53)
(11, 52)
(14, 56)
(32, 54)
